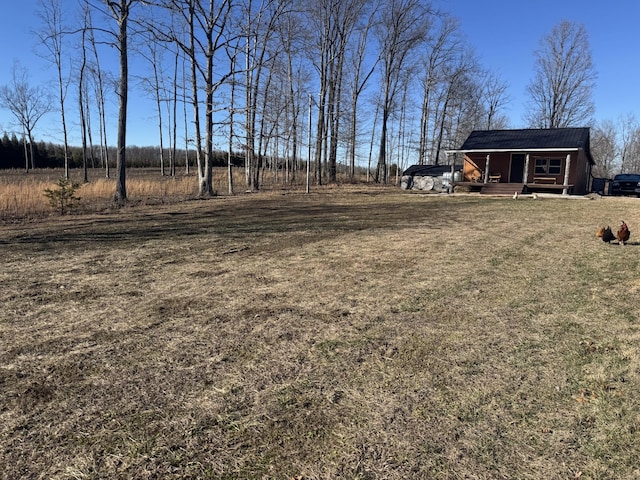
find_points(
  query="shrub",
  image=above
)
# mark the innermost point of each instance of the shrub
(63, 198)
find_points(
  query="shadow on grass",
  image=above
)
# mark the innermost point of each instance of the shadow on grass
(243, 218)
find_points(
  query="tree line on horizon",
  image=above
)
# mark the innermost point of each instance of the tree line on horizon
(51, 155)
(374, 82)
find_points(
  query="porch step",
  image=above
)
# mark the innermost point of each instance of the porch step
(501, 188)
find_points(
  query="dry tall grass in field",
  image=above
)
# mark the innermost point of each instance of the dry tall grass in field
(343, 334)
(22, 195)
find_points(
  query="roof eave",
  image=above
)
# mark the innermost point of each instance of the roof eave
(506, 150)
(523, 150)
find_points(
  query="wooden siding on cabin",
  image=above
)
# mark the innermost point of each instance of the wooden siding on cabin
(500, 164)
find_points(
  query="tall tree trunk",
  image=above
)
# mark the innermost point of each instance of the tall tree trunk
(320, 135)
(81, 95)
(87, 109)
(336, 112)
(194, 89)
(104, 145)
(205, 173)
(249, 115)
(31, 152)
(381, 170)
(156, 91)
(26, 151)
(231, 112)
(52, 38)
(186, 121)
(293, 104)
(174, 143)
(424, 122)
(121, 14)
(373, 136)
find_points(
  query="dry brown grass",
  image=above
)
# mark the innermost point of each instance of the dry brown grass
(349, 333)
(22, 195)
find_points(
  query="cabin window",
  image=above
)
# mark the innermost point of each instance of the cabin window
(548, 166)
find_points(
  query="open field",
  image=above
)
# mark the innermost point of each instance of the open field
(349, 333)
(22, 195)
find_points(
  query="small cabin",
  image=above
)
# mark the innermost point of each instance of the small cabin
(554, 160)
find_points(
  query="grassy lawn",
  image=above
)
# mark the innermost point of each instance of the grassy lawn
(357, 334)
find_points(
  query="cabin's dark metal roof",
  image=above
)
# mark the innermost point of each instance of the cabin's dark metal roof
(533, 139)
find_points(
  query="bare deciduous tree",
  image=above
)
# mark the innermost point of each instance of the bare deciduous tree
(440, 47)
(207, 25)
(98, 77)
(156, 87)
(604, 148)
(332, 27)
(27, 104)
(561, 91)
(290, 41)
(628, 143)
(345, 15)
(360, 75)
(402, 28)
(258, 32)
(121, 11)
(494, 94)
(82, 88)
(51, 36)
(458, 97)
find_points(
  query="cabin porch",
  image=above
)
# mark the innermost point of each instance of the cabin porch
(509, 188)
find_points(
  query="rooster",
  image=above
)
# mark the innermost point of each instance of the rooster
(606, 234)
(623, 233)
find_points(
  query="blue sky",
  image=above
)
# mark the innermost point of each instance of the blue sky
(19, 43)
(504, 33)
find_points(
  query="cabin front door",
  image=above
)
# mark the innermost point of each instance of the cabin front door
(516, 174)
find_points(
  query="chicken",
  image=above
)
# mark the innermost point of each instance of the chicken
(607, 235)
(600, 232)
(623, 233)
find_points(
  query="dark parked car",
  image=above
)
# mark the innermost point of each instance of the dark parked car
(625, 184)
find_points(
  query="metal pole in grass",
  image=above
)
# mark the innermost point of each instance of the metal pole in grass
(309, 147)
